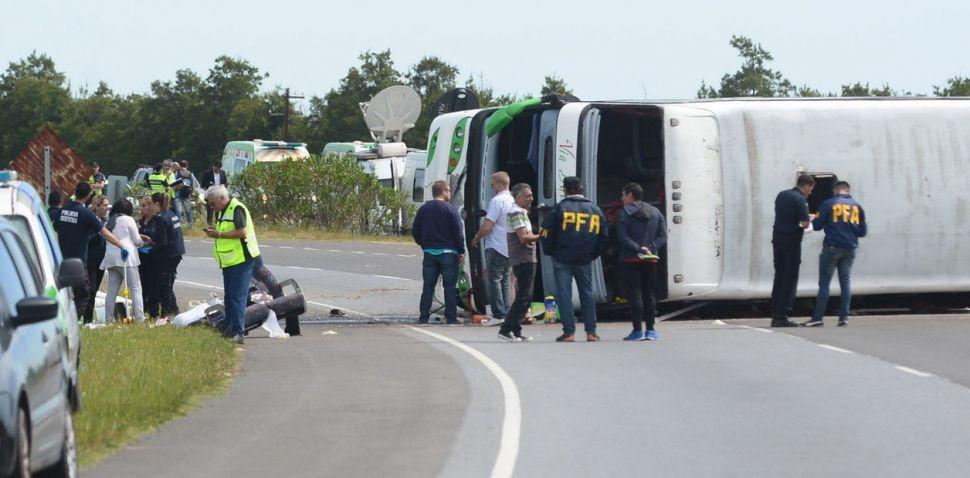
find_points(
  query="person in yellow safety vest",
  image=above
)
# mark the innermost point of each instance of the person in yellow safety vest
(157, 182)
(168, 169)
(235, 250)
(97, 180)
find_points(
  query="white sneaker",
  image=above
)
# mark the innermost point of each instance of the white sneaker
(508, 337)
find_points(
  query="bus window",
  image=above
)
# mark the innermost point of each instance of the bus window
(417, 194)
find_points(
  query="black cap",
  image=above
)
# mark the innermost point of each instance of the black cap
(572, 183)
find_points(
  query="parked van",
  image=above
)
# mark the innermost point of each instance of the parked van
(713, 167)
(239, 154)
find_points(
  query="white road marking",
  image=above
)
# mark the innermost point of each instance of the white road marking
(207, 242)
(767, 331)
(284, 247)
(266, 246)
(333, 250)
(837, 349)
(310, 249)
(380, 254)
(508, 450)
(719, 322)
(306, 268)
(913, 371)
(406, 255)
(197, 284)
(391, 277)
(359, 252)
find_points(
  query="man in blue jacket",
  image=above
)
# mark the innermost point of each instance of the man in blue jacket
(642, 232)
(437, 229)
(574, 234)
(844, 223)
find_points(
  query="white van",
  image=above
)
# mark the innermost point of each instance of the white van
(713, 167)
(239, 154)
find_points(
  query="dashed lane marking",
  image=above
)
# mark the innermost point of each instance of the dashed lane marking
(837, 349)
(391, 277)
(512, 424)
(284, 247)
(913, 371)
(310, 249)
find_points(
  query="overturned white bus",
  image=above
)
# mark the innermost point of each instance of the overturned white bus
(714, 167)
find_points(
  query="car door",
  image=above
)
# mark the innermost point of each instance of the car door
(41, 345)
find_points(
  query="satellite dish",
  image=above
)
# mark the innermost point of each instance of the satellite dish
(458, 99)
(392, 112)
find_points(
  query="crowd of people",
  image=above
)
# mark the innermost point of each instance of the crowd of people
(575, 233)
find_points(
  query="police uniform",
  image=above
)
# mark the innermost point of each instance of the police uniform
(168, 252)
(75, 225)
(791, 208)
(147, 267)
(96, 178)
(575, 234)
(157, 182)
(844, 222)
(236, 259)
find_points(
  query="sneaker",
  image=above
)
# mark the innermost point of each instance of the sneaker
(652, 335)
(453, 322)
(783, 323)
(813, 323)
(524, 338)
(237, 339)
(566, 338)
(423, 321)
(592, 338)
(507, 336)
(636, 335)
(493, 322)
(843, 322)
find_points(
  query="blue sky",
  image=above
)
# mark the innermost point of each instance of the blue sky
(605, 49)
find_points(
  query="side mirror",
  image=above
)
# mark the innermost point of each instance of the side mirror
(72, 273)
(35, 309)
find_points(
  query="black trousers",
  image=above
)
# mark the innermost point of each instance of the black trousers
(82, 296)
(640, 283)
(788, 259)
(166, 270)
(149, 287)
(525, 275)
(95, 274)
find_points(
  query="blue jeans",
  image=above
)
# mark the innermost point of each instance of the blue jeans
(445, 265)
(565, 273)
(497, 267)
(183, 207)
(829, 260)
(236, 282)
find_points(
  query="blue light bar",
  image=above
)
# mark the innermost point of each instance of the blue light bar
(7, 175)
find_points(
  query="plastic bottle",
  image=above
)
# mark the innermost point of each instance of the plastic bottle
(549, 316)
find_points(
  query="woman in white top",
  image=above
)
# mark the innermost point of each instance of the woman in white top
(123, 226)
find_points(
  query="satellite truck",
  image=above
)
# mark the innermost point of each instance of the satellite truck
(388, 116)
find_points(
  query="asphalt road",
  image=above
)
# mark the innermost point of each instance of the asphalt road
(886, 396)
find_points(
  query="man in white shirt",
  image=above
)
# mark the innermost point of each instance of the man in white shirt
(495, 231)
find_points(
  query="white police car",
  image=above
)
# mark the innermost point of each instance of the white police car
(22, 207)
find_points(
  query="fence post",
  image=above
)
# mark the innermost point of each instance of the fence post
(47, 173)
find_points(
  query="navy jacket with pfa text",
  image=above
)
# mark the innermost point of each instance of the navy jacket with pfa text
(843, 220)
(574, 232)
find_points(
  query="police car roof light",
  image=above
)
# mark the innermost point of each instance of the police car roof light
(8, 175)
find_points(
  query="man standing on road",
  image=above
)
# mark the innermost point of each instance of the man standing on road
(213, 177)
(54, 202)
(791, 220)
(437, 229)
(642, 232)
(522, 256)
(75, 225)
(235, 249)
(495, 231)
(844, 223)
(575, 234)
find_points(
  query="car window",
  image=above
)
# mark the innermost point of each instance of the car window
(22, 227)
(10, 283)
(27, 267)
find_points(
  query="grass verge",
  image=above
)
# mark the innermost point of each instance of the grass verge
(304, 234)
(134, 379)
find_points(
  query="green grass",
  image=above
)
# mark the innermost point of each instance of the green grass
(134, 379)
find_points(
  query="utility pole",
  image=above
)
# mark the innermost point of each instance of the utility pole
(286, 114)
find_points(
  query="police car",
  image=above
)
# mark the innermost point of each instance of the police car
(22, 207)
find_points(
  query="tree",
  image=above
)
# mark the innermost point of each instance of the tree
(956, 86)
(486, 94)
(555, 85)
(754, 78)
(32, 94)
(431, 77)
(859, 89)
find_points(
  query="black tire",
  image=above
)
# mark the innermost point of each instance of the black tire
(66, 466)
(21, 468)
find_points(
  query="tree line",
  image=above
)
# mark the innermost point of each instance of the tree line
(192, 116)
